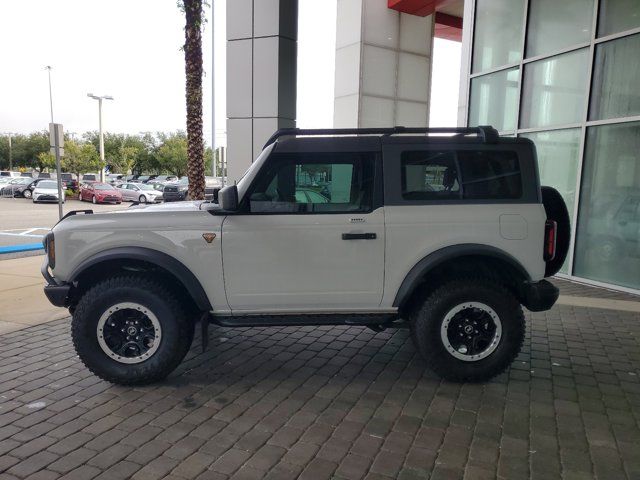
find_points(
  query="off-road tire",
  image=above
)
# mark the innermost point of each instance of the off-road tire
(177, 329)
(426, 321)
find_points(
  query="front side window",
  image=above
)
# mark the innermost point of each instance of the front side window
(463, 174)
(314, 183)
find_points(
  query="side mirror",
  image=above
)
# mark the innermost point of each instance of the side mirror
(228, 198)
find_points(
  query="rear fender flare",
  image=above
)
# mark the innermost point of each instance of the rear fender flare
(421, 269)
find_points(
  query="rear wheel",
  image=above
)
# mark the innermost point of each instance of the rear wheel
(27, 193)
(131, 330)
(93, 199)
(469, 330)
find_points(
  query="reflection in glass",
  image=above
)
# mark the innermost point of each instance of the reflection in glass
(558, 153)
(608, 236)
(554, 25)
(553, 90)
(497, 38)
(616, 71)
(617, 16)
(494, 100)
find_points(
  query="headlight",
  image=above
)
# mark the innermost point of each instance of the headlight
(50, 248)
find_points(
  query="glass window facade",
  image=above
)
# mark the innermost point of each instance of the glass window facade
(616, 72)
(608, 243)
(618, 16)
(494, 100)
(578, 100)
(553, 90)
(554, 25)
(498, 36)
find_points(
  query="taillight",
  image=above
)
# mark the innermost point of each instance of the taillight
(550, 231)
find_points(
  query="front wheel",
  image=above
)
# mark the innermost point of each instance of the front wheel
(131, 330)
(469, 330)
(142, 199)
(93, 200)
(27, 193)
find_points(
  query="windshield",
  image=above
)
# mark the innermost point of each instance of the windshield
(102, 186)
(144, 186)
(244, 182)
(47, 184)
(184, 181)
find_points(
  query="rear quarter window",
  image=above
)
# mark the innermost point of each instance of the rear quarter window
(460, 175)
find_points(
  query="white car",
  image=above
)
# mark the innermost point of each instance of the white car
(46, 191)
(451, 241)
(139, 192)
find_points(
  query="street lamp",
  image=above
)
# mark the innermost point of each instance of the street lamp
(100, 98)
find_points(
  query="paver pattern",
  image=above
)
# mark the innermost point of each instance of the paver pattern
(330, 402)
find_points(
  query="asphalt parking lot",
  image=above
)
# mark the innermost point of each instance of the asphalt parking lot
(22, 221)
(334, 402)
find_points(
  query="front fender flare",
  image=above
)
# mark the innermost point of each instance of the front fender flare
(155, 257)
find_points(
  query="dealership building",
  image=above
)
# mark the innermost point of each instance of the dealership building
(564, 74)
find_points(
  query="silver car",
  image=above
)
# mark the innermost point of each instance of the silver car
(139, 192)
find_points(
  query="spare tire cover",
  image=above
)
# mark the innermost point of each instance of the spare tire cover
(556, 210)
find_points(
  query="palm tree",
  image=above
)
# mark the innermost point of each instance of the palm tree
(194, 14)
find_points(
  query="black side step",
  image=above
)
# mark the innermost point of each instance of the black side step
(381, 320)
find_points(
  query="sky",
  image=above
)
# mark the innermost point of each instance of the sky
(130, 49)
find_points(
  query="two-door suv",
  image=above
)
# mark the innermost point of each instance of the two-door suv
(444, 231)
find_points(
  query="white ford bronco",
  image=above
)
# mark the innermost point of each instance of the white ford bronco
(446, 232)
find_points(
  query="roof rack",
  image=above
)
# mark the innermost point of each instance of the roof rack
(486, 133)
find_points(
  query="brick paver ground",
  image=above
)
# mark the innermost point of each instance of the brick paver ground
(330, 402)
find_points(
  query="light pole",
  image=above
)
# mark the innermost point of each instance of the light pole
(100, 98)
(53, 129)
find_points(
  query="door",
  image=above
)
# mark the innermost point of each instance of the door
(309, 236)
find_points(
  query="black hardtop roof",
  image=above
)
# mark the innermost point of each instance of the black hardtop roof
(485, 134)
(371, 139)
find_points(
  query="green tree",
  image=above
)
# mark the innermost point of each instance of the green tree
(173, 154)
(46, 160)
(81, 158)
(194, 16)
(27, 147)
(128, 158)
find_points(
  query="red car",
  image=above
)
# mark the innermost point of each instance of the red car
(97, 192)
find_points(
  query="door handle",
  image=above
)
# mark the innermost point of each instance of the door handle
(359, 236)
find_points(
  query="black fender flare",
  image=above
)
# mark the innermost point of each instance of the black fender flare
(159, 259)
(413, 279)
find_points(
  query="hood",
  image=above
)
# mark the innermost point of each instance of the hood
(47, 190)
(167, 207)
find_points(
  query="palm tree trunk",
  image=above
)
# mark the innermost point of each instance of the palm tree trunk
(193, 70)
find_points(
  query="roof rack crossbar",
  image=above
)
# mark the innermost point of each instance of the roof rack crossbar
(486, 133)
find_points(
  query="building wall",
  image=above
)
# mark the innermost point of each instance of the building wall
(565, 74)
(383, 66)
(261, 76)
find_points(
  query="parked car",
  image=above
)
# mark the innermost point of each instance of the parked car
(27, 174)
(159, 186)
(139, 192)
(451, 243)
(69, 181)
(7, 173)
(97, 192)
(17, 187)
(47, 191)
(176, 191)
(90, 177)
(165, 178)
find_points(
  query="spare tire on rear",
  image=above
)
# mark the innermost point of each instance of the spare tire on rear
(556, 210)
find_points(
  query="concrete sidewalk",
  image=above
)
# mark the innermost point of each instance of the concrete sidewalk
(22, 301)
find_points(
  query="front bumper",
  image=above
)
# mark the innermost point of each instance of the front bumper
(56, 293)
(539, 296)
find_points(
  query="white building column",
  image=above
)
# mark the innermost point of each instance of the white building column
(261, 76)
(383, 66)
